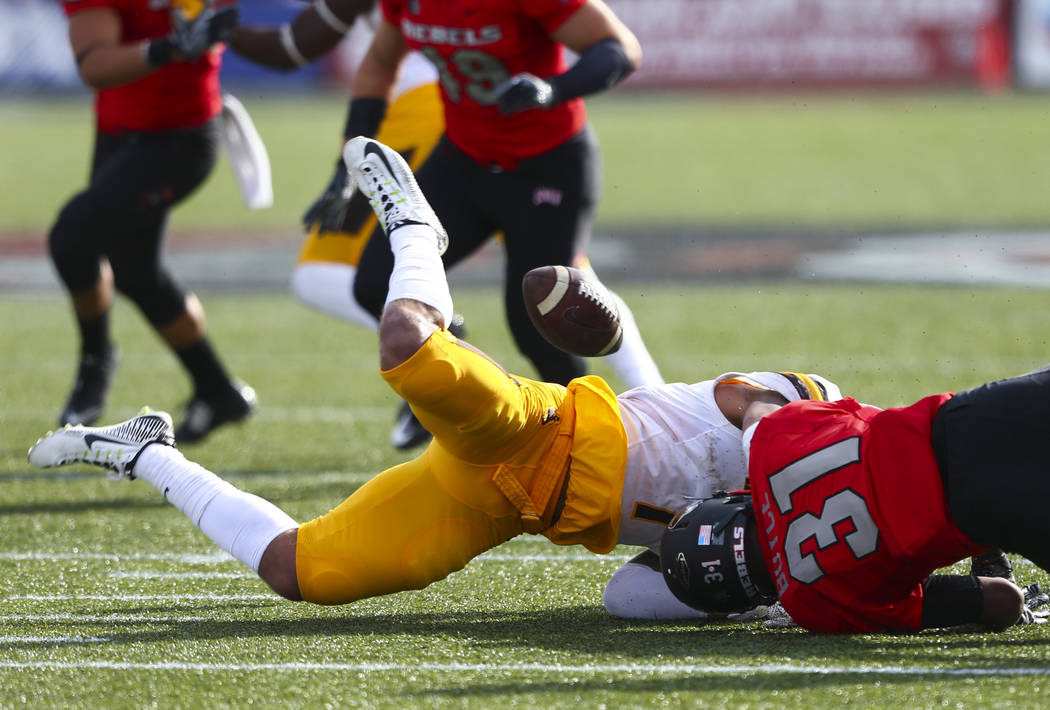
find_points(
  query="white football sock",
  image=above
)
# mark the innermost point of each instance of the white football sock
(240, 523)
(418, 272)
(632, 362)
(329, 288)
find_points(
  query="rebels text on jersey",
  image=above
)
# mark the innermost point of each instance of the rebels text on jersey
(178, 95)
(475, 46)
(851, 512)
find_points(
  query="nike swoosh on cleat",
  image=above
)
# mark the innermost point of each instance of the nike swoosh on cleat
(90, 439)
(374, 149)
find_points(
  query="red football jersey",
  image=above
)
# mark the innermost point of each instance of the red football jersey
(852, 512)
(178, 95)
(478, 44)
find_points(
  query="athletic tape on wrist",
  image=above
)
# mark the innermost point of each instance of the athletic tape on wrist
(288, 44)
(330, 18)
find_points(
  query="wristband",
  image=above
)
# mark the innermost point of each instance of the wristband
(288, 44)
(330, 18)
(158, 52)
(364, 116)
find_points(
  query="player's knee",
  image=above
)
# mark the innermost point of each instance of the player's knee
(302, 286)
(1003, 602)
(404, 328)
(75, 259)
(277, 567)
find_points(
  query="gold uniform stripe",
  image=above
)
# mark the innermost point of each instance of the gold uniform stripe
(806, 386)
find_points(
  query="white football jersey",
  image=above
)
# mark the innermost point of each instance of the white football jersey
(680, 447)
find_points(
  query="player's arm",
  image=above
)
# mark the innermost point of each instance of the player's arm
(373, 86)
(637, 591)
(756, 410)
(103, 60)
(608, 52)
(952, 600)
(312, 34)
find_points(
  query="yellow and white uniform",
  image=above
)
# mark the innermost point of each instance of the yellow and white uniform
(509, 455)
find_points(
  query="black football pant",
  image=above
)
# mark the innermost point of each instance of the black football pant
(545, 210)
(135, 180)
(992, 444)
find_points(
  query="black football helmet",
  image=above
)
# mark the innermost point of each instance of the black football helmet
(703, 555)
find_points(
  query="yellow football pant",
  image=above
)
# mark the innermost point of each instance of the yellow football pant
(497, 467)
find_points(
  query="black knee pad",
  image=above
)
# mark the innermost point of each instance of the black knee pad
(74, 250)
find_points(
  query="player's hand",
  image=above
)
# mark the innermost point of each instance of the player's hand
(522, 92)
(193, 36)
(329, 209)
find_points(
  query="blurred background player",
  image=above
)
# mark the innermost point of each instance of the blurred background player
(155, 68)
(410, 120)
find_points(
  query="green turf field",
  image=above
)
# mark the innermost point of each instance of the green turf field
(113, 600)
(873, 161)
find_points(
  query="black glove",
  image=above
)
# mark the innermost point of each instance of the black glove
(194, 36)
(522, 92)
(1034, 598)
(330, 208)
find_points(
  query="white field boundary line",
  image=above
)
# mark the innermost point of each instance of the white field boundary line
(223, 558)
(539, 668)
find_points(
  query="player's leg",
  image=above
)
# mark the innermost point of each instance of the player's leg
(990, 447)
(77, 242)
(546, 206)
(418, 301)
(163, 170)
(447, 186)
(250, 528)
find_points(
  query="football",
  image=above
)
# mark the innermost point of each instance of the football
(573, 311)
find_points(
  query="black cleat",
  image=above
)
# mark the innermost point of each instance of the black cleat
(407, 432)
(88, 397)
(204, 413)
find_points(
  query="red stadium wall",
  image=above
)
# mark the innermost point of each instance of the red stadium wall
(819, 43)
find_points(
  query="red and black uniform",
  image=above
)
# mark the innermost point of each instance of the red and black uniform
(534, 175)
(852, 512)
(156, 142)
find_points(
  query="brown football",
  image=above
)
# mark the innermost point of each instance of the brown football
(572, 310)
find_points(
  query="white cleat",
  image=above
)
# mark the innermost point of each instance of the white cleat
(115, 448)
(386, 180)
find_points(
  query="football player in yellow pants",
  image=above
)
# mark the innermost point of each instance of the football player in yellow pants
(510, 455)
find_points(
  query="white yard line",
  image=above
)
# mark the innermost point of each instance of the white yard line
(182, 575)
(145, 618)
(539, 668)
